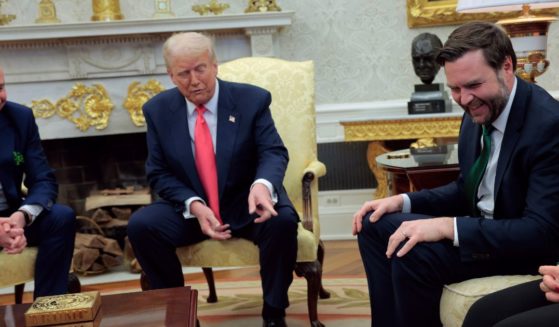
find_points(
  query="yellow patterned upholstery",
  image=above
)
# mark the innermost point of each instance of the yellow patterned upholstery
(457, 298)
(292, 88)
(17, 268)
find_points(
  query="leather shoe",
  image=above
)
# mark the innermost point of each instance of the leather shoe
(276, 322)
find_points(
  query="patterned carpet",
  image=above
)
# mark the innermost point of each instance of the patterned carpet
(240, 304)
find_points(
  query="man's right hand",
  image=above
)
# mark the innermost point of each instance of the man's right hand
(208, 222)
(381, 206)
(12, 238)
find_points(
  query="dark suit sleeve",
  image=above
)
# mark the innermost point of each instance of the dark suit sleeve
(272, 154)
(160, 176)
(39, 178)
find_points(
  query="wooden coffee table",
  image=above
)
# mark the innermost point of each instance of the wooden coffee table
(166, 307)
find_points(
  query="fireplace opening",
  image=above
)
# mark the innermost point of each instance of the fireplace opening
(87, 164)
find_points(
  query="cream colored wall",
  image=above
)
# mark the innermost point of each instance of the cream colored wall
(361, 47)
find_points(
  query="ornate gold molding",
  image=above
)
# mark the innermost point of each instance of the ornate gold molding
(402, 129)
(84, 106)
(443, 12)
(138, 94)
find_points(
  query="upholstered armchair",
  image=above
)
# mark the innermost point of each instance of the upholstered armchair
(457, 298)
(17, 269)
(292, 88)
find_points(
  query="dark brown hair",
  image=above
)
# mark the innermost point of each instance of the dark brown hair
(490, 38)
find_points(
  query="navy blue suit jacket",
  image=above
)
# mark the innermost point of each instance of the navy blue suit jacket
(19, 135)
(526, 214)
(248, 147)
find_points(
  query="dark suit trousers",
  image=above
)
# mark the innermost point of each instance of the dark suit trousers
(53, 232)
(406, 291)
(517, 306)
(157, 230)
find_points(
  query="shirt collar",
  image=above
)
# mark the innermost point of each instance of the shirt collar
(501, 122)
(211, 105)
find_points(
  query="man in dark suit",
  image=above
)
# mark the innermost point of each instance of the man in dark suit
(32, 218)
(412, 244)
(243, 195)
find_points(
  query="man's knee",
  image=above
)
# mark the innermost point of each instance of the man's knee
(284, 223)
(138, 224)
(63, 216)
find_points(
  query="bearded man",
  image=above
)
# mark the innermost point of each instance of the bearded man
(500, 217)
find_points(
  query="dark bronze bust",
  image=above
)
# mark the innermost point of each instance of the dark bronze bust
(424, 48)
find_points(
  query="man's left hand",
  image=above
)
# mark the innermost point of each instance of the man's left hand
(260, 202)
(421, 230)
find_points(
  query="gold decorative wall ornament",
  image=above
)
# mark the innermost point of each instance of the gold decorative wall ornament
(5, 19)
(262, 6)
(138, 94)
(84, 106)
(212, 7)
(47, 13)
(443, 12)
(106, 10)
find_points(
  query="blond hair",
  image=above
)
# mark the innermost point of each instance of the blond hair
(188, 44)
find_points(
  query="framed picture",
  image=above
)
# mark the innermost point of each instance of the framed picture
(443, 12)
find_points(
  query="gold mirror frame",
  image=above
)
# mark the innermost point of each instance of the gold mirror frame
(443, 12)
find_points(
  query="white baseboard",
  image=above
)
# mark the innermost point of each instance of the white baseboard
(336, 209)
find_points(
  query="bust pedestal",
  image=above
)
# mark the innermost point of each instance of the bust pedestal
(429, 99)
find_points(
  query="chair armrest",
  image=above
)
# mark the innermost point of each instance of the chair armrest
(313, 170)
(317, 168)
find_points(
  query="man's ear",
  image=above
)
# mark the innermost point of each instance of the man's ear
(507, 65)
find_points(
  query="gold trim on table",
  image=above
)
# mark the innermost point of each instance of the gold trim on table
(401, 129)
(410, 127)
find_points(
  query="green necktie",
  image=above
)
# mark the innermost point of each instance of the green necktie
(478, 168)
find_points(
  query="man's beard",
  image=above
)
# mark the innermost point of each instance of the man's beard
(496, 104)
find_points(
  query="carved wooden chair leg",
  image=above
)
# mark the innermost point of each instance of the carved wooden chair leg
(18, 292)
(144, 284)
(312, 271)
(208, 272)
(74, 285)
(322, 293)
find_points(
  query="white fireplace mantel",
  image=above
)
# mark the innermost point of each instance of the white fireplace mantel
(44, 62)
(245, 22)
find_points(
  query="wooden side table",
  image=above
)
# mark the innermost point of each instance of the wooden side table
(403, 127)
(406, 173)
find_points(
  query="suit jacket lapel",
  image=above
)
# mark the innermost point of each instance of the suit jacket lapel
(178, 124)
(227, 128)
(512, 131)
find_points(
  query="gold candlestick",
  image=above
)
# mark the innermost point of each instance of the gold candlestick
(262, 6)
(4, 18)
(163, 9)
(47, 13)
(106, 10)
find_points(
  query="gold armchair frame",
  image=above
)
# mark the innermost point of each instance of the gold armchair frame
(423, 13)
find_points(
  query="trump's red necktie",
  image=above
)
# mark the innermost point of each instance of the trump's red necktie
(205, 160)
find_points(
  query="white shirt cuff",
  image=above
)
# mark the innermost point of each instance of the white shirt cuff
(34, 210)
(270, 188)
(406, 206)
(186, 213)
(455, 242)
